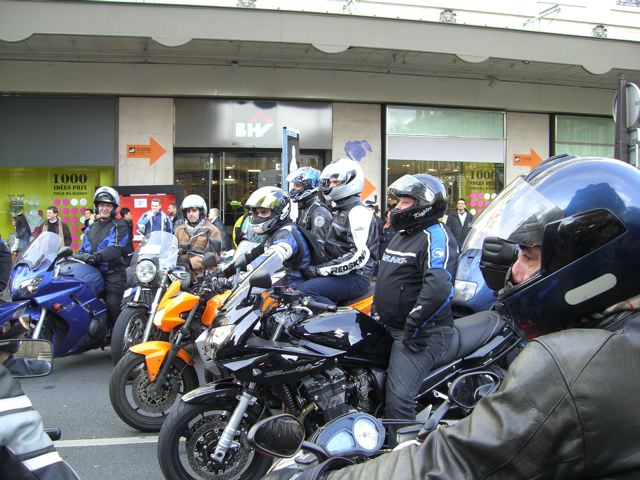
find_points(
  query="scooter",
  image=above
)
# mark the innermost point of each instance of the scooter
(319, 361)
(56, 298)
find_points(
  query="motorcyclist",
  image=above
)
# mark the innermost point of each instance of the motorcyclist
(352, 239)
(567, 407)
(269, 209)
(313, 215)
(419, 263)
(196, 235)
(103, 246)
(26, 451)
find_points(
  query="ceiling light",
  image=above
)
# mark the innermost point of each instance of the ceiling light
(448, 16)
(599, 31)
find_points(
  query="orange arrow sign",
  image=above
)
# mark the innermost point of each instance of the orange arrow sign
(368, 189)
(153, 151)
(524, 160)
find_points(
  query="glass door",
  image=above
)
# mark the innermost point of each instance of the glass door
(200, 174)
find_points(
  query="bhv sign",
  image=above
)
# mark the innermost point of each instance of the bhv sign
(254, 124)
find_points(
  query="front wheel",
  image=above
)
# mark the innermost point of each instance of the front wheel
(134, 399)
(128, 331)
(189, 437)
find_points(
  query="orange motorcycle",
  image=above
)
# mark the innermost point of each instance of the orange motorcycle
(150, 378)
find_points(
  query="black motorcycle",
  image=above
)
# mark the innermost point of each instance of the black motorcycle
(316, 361)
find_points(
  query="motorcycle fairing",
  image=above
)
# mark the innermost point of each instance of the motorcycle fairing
(154, 354)
(213, 392)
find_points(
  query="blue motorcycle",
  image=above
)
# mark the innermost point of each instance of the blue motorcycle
(56, 297)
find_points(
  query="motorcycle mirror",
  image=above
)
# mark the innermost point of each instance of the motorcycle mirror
(260, 280)
(27, 357)
(497, 257)
(209, 259)
(278, 436)
(468, 389)
(216, 244)
(65, 252)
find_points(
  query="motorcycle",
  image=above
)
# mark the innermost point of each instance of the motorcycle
(57, 298)
(155, 269)
(147, 381)
(319, 361)
(355, 436)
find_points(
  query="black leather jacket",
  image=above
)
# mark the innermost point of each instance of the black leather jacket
(568, 408)
(352, 240)
(315, 217)
(26, 452)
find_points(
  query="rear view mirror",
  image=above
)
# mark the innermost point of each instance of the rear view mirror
(209, 259)
(27, 357)
(278, 436)
(468, 389)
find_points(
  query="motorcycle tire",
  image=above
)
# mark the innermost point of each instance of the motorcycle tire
(190, 435)
(128, 331)
(132, 400)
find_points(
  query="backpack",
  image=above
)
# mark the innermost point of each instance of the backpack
(318, 257)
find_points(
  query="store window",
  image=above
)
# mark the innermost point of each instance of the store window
(226, 179)
(464, 148)
(584, 136)
(30, 190)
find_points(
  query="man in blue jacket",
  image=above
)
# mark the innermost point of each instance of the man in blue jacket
(155, 220)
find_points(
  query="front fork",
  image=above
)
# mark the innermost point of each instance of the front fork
(152, 312)
(245, 400)
(38, 329)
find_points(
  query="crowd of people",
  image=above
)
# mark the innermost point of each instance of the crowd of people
(575, 275)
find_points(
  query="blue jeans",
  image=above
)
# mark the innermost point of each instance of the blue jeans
(334, 289)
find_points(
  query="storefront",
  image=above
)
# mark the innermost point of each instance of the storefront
(226, 149)
(464, 148)
(55, 151)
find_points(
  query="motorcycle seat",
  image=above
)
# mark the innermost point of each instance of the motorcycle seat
(470, 333)
(367, 294)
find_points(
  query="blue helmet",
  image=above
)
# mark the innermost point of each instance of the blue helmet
(305, 182)
(585, 215)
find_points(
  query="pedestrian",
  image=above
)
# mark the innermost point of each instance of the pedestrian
(55, 225)
(125, 214)
(214, 218)
(22, 236)
(459, 222)
(175, 215)
(89, 218)
(387, 232)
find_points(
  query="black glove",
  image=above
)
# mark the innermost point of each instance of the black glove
(310, 272)
(184, 249)
(413, 343)
(229, 270)
(86, 258)
(219, 285)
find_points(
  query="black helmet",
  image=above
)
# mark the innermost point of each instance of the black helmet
(308, 178)
(276, 200)
(429, 194)
(107, 195)
(584, 213)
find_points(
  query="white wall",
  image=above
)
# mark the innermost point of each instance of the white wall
(525, 132)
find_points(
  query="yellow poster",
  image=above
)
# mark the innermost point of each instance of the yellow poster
(32, 190)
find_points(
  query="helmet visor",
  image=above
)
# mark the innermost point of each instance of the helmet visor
(518, 215)
(410, 186)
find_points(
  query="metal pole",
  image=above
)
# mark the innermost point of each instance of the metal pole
(621, 151)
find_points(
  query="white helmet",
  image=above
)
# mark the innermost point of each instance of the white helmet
(350, 174)
(107, 195)
(194, 201)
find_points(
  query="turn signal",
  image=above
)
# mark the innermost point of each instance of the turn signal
(57, 307)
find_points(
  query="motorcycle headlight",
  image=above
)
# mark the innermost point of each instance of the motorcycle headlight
(146, 271)
(216, 337)
(29, 286)
(464, 290)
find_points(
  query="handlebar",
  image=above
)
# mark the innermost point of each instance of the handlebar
(314, 305)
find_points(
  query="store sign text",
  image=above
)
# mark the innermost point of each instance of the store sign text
(66, 183)
(252, 130)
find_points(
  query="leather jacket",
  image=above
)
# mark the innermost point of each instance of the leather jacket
(198, 239)
(315, 217)
(352, 240)
(567, 409)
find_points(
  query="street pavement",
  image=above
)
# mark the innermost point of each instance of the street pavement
(95, 442)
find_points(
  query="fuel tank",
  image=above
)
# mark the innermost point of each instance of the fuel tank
(349, 330)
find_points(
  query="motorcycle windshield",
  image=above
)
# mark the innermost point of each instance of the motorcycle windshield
(45, 248)
(518, 215)
(272, 266)
(163, 246)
